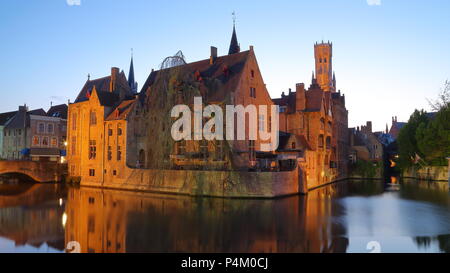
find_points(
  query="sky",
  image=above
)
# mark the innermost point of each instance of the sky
(389, 56)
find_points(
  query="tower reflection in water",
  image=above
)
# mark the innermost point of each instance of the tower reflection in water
(118, 221)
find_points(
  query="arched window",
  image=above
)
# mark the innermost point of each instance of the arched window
(321, 139)
(119, 129)
(328, 141)
(322, 124)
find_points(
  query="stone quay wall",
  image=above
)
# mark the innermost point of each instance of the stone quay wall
(229, 184)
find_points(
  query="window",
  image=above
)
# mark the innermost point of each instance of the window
(261, 123)
(321, 140)
(36, 141)
(252, 73)
(110, 131)
(251, 150)
(92, 149)
(325, 60)
(20, 132)
(119, 129)
(109, 153)
(50, 128)
(320, 60)
(270, 124)
(74, 121)
(45, 141)
(54, 142)
(93, 118)
(282, 109)
(91, 173)
(74, 145)
(328, 142)
(119, 153)
(252, 92)
(41, 128)
(293, 145)
(322, 124)
(114, 172)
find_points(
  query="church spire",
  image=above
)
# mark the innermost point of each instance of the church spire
(131, 82)
(234, 45)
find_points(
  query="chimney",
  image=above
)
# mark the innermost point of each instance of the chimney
(23, 108)
(369, 126)
(300, 100)
(114, 76)
(213, 56)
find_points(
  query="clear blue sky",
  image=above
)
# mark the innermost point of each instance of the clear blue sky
(388, 58)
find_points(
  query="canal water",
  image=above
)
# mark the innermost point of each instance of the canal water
(350, 216)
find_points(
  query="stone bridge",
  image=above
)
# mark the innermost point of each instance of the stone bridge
(38, 171)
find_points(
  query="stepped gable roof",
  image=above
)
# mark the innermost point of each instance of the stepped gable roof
(58, 111)
(222, 76)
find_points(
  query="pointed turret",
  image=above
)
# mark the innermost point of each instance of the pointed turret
(234, 45)
(131, 82)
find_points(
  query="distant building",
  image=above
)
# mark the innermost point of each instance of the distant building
(365, 144)
(4, 118)
(396, 127)
(34, 135)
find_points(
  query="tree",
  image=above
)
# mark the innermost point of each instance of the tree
(433, 139)
(443, 99)
(407, 143)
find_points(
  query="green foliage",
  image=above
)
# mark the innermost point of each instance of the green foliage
(407, 143)
(366, 169)
(430, 139)
(433, 139)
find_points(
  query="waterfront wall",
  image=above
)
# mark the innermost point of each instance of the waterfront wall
(436, 173)
(206, 183)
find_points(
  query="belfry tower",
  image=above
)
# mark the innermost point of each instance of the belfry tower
(323, 53)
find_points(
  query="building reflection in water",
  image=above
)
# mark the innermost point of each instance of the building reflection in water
(30, 215)
(118, 221)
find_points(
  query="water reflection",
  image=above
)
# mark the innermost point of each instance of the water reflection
(342, 217)
(114, 221)
(30, 218)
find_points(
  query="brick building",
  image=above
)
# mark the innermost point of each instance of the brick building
(319, 115)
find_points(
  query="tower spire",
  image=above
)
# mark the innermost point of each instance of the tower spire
(131, 82)
(234, 45)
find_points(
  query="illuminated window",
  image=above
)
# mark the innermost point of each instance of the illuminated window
(54, 142)
(45, 141)
(36, 141)
(92, 149)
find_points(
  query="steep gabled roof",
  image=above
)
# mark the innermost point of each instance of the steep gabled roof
(225, 72)
(5, 117)
(101, 84)
(58, 111)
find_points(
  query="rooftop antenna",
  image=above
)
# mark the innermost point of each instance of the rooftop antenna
(89, 76)
(234, 18)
